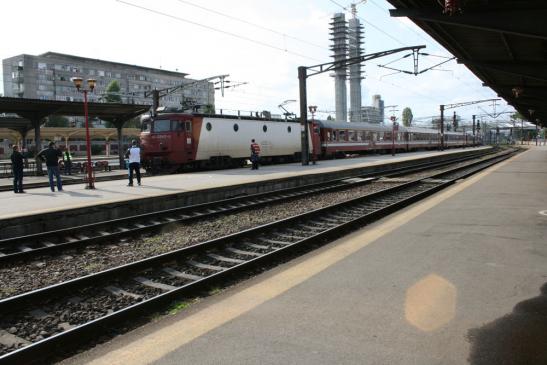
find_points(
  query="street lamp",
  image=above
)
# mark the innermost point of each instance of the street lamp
(91, 85)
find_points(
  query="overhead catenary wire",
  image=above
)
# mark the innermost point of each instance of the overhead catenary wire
(252, 24)
(177, 18)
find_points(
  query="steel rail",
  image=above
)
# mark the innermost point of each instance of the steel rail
(309, 227)
(20, 247)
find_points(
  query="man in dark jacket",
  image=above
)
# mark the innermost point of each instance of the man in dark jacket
(51, 155)
(17, 164)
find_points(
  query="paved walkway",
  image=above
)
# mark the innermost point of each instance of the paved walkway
(42, 200)
(460, 278)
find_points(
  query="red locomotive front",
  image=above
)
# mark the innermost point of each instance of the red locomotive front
(167, 142)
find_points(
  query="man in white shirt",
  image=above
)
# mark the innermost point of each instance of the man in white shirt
(134, 156)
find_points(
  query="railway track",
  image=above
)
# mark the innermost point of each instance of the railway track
(39, 322)
(48, 242)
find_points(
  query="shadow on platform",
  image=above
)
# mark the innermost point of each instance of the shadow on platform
(518, 338)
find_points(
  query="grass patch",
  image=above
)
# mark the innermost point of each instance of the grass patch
(178, 306)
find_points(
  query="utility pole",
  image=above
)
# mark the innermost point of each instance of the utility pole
(326, 67)
(456, 105)
(441, 126)
(302, 75)
(474, 116)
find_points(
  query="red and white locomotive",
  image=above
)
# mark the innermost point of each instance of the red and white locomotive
(175, 141)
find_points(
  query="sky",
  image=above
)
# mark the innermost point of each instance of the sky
(258, 43)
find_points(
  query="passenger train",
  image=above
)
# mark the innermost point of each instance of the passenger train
(178, 141)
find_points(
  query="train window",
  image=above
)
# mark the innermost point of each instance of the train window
(289, 129)
(352, 135)
(265, 128)
(188, 126)
(162, 126)
(342, 136)
(177, 126)
(236, 127)
(208, 126)
(145, 127)
(333, 136)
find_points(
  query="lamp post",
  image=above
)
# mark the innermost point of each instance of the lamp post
(91, 85)
(312, 109)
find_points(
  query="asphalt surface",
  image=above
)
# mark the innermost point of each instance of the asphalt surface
(460, 278)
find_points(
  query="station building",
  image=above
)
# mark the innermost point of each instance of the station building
(47, 77)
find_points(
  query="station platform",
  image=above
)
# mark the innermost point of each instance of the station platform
(458, 278)
(42, 200)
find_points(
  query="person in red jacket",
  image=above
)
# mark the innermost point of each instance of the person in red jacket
(255, 154)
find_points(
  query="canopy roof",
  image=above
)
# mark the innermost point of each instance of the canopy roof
(34, 110)
(503, 42)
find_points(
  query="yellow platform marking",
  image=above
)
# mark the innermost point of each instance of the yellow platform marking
(155, 345)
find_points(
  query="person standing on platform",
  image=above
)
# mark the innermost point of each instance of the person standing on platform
(17, 164)
(67, 159)
(255, 154)
(52, 155)
(134, 155)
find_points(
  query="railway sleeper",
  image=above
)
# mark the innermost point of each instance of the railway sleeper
(205, 266)
(225, 259)
(242, 252)
(154, 284)
(181, 275)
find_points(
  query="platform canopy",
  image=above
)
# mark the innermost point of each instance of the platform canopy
(32, 113)
(34, 109)
(503, 42)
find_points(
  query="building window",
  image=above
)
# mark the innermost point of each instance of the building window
(91, 72)
(208, 126)
(42, 66)
(100, 72)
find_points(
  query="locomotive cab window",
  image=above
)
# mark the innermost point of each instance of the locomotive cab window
(162, 126)
(188, 126)
(145, 127)
(177, 126)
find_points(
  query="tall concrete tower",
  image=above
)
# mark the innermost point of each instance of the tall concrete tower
(355, 70)
(339, 33)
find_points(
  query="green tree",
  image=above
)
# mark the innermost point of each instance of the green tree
(112, 95)
(407, 117)
(517, 115)
(133, 123)
(57, 121)
(112, 92)
(209, 109)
